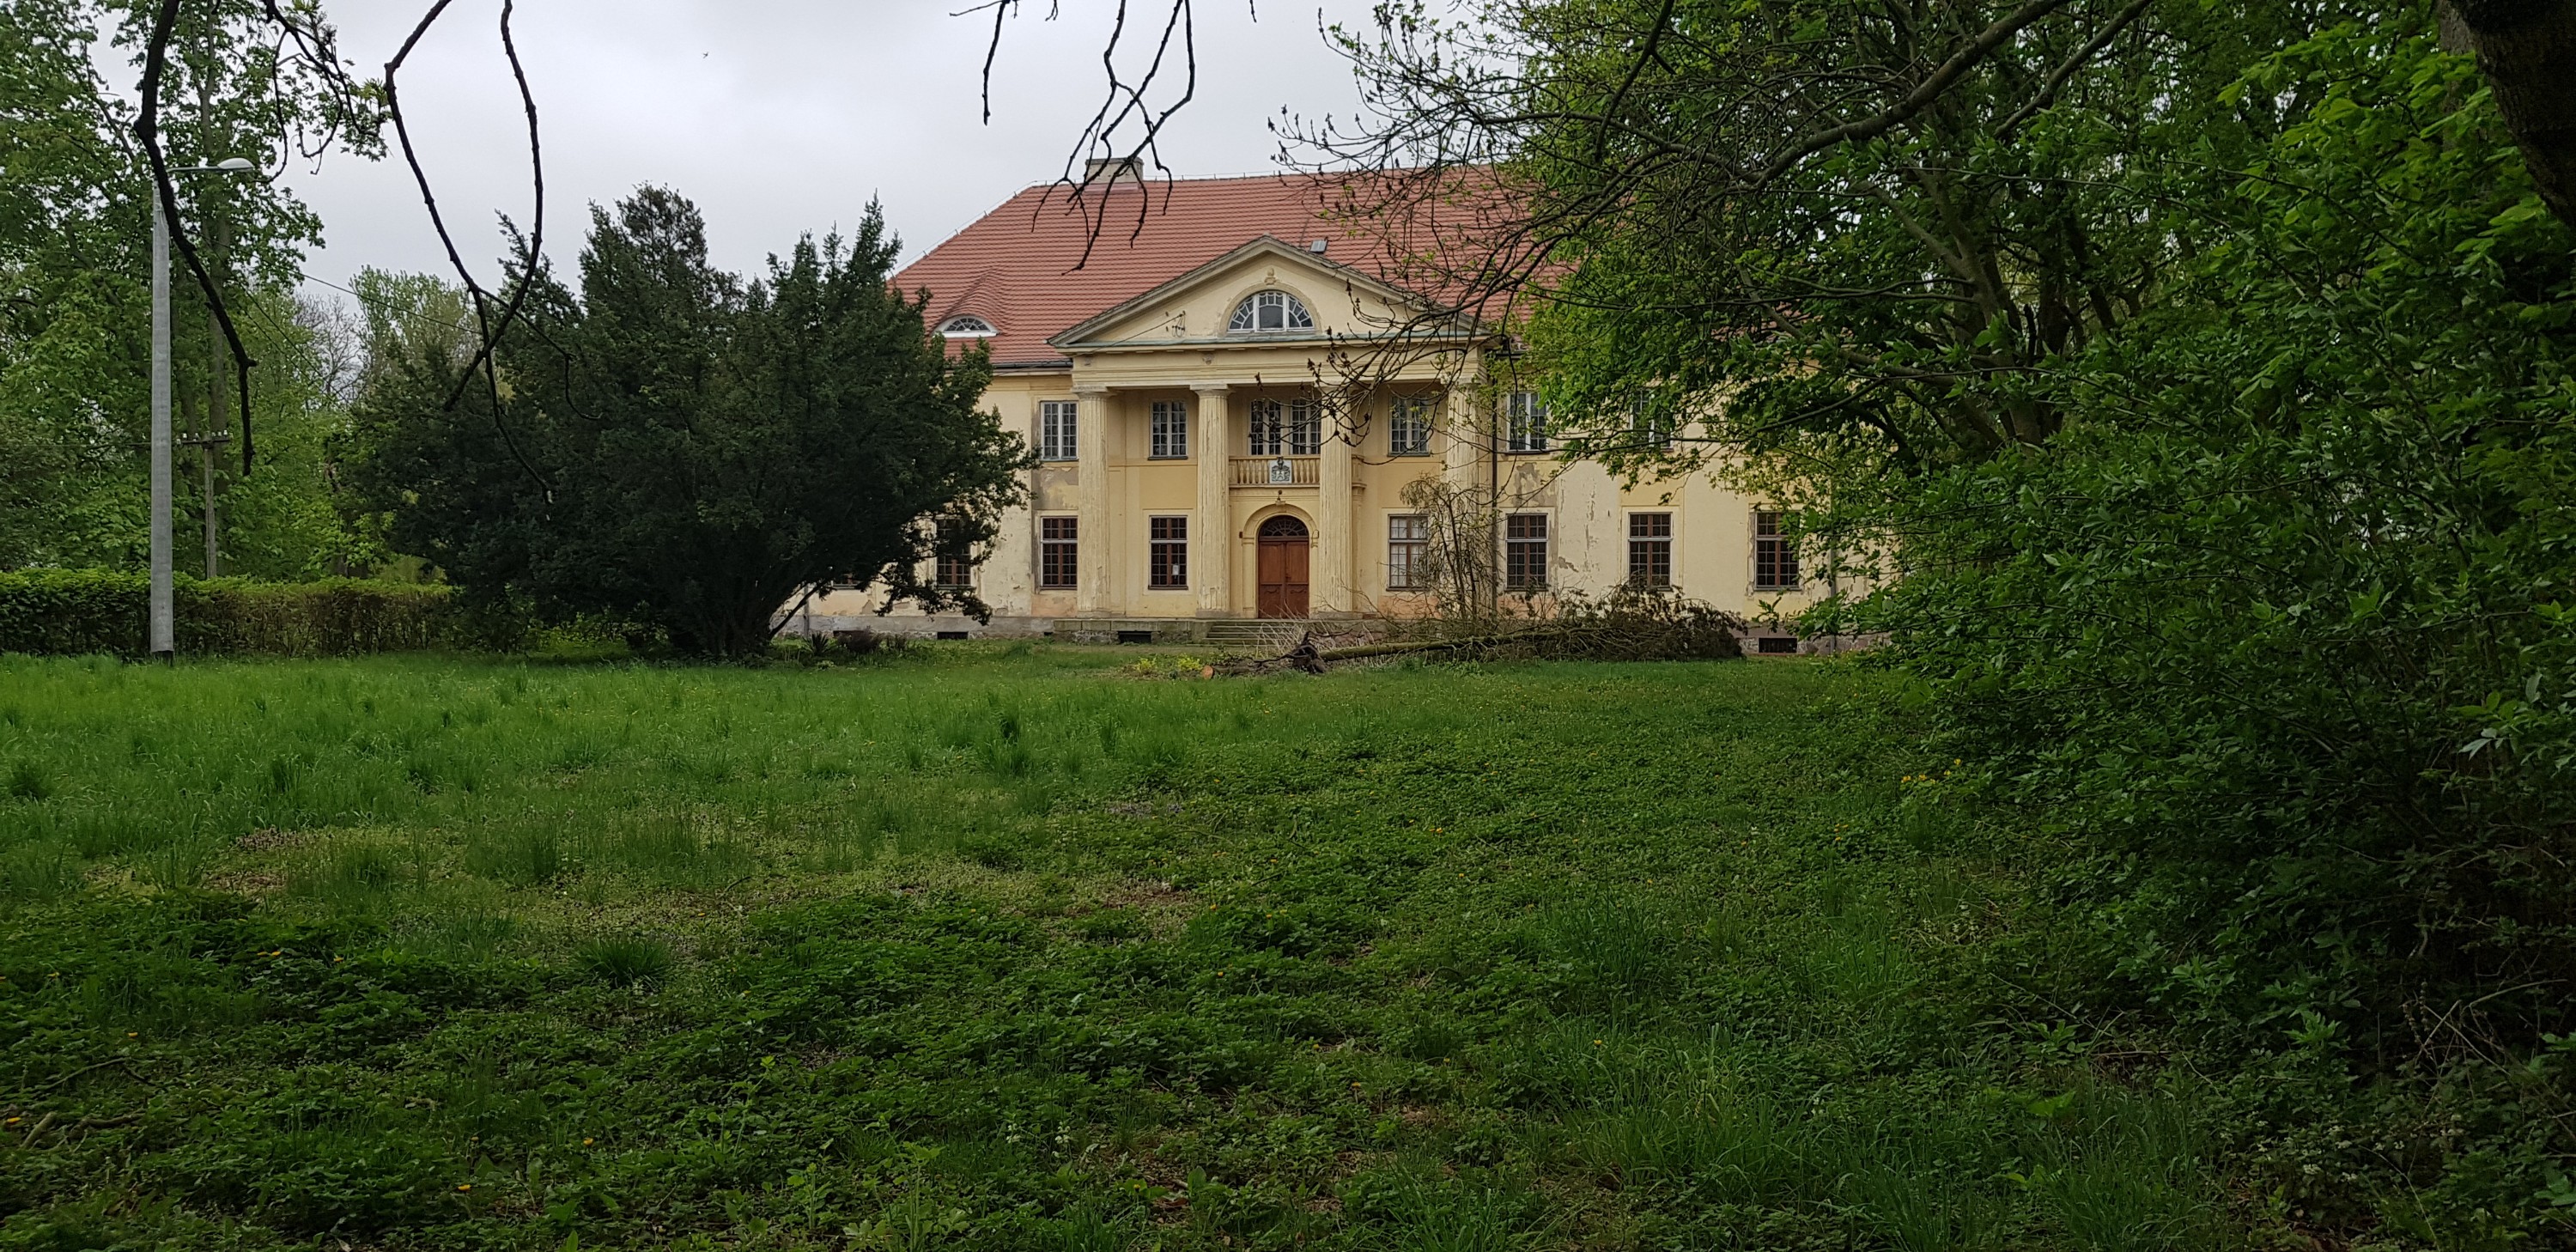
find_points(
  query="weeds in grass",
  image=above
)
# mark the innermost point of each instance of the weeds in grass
(1083, 1229)
(29, 781)
(1170, 665)
(1617, 955)
(625, 960)
(1109, 926)
(2122, 1173)
(471, 933)
(178, 863)
(519, 856)
(1342, 922)
(353, 876)
(33, 870)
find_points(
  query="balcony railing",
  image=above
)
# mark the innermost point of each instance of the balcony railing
(1275, 471)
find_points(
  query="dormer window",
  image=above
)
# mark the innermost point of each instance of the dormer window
(1269, 311)
(967, 326)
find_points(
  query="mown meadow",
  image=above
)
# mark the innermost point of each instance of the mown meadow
(1037, 947)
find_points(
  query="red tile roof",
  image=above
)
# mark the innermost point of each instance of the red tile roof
(1016, 266)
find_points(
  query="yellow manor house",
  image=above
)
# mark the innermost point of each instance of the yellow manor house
(1183, 369)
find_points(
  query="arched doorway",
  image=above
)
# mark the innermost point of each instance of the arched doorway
(1283, 567)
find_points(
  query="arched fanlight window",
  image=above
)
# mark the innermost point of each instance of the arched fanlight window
(1269, 310)
(966, 326)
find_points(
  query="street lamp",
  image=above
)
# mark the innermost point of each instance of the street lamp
(165, 634)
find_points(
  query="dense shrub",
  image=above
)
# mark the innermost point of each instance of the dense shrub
(2281, 618)
(687, 449)
(80, 611)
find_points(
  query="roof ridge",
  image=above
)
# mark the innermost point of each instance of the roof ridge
(1040, 262)
(1246, 177)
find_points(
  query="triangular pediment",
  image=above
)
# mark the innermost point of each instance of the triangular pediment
(1341, 301)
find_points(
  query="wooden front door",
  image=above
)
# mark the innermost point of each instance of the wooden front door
(1283, 568)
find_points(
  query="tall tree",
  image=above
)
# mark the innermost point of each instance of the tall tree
(2527, 49)
(681, 448)
(1872, 219)
(74, 250)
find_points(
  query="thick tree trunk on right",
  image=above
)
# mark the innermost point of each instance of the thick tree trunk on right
(2527, 50)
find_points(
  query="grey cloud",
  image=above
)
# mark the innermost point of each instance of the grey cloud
(776, 116)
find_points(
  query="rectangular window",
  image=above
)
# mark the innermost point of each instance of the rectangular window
(1055, 430)
(1408, 426)
(1059, 551)
(1171, 431)
(1650, 422)
(955, 566)
(1305, 428)
(1170, 553)
(1408, 544)
(1267, 420)
(1524, 422)
(1291, 429)
(1525, 551)
(1650, 549)
(1775, 558)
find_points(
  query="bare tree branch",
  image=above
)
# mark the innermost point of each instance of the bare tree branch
(147, 129)
(1915, 101)
(489, 328)
(2067, 69)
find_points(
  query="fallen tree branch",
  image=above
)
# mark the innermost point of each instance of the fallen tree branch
(1631, 629)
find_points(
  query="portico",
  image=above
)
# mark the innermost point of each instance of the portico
(1227, 485)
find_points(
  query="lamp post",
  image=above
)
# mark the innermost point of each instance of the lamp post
(165, 633)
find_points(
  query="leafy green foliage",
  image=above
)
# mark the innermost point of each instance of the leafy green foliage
(74, 270)
(689, 451)
(69, 612)
(2287, 629)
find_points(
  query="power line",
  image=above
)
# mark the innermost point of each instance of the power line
(365, 299)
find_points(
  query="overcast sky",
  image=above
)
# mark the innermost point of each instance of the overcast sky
(779, 116)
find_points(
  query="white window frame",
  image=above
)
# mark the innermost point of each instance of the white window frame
(1264, 428)
(1408, 426)
(1669, 539)
(956, 327)
(1179, 524)
(1524, 422)
(1250, 314)
(1168, 438)
(1305, 427)
(1071, 542)
(1544, 541)
(1651, 422)
(1059, 428)
(941, 554)
(1285, 428)
(1408, 546)
(1786, 549)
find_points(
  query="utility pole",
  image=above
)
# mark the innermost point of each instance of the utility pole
(165, 642)
(164, 614)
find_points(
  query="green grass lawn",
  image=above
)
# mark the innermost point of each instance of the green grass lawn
(1021, 948)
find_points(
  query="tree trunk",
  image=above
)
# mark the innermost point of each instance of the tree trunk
(2527, 50)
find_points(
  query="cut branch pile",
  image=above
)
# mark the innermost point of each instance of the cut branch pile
(1629, 626)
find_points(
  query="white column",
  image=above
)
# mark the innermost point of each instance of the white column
(1332, 569)
(1459, 440)
(1212, 529)
(1091, 495)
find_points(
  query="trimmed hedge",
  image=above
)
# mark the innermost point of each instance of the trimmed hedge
(84, 611)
